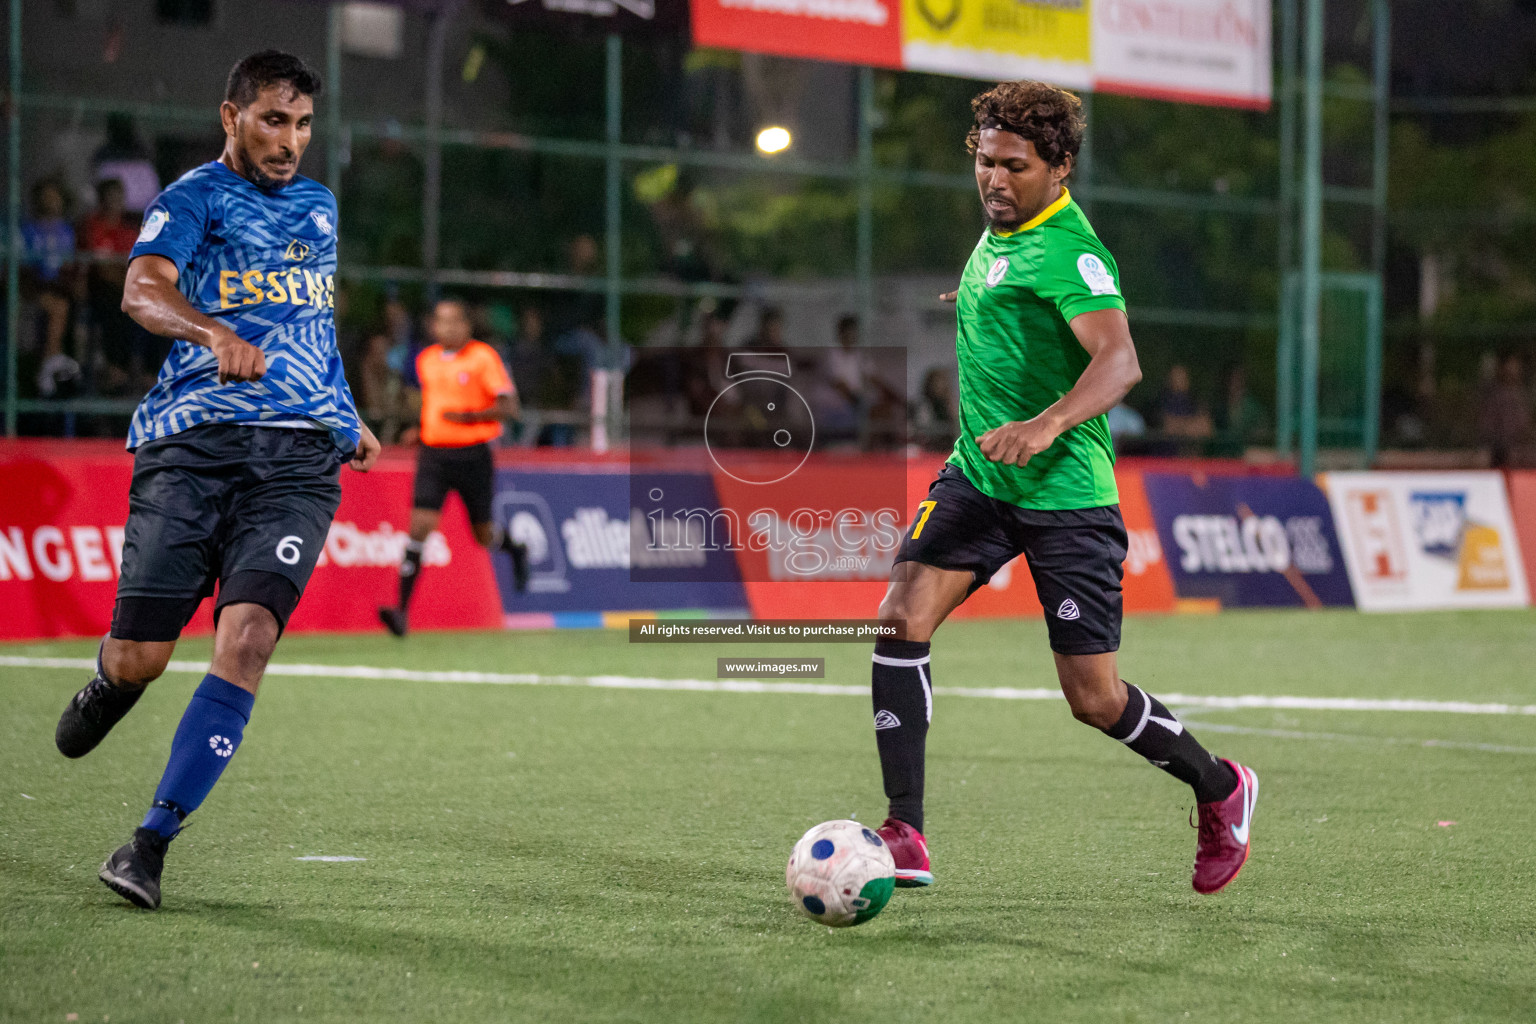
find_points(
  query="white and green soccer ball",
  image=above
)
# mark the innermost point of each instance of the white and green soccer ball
(840, 874)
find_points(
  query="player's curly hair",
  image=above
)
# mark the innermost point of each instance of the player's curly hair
(1049, 117)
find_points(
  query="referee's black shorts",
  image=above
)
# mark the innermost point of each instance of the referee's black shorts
(469, 470)
(246, 507)
(1076, 556)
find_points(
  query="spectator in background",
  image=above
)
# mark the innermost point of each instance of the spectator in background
(381, 393)
(934, 413)
(126, 159)
(704, 373)
(770, 329)
(1504, 414)
(1125, 424)
(529, 359)
(48, 253)
(1180, 415)
(1239, 417)
(107, 234)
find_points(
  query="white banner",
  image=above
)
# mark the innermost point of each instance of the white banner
(1417, 541)
(1195, 51)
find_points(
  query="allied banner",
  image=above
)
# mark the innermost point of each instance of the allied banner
(1428, 540)
(1249, 541)
(1193, 51)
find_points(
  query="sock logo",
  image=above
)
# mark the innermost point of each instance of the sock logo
(886, 720)
(1173, 725)
(1068, 610)
(222, 745)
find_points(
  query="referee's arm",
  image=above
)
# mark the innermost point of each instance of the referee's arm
(1112, 371)
(506, 407)
(151, 297)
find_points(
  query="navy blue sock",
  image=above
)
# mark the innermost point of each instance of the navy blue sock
(206, 739)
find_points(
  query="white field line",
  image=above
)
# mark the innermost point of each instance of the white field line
(610, 682)
(1338, 737)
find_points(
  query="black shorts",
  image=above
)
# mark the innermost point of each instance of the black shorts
(470, 470)
(246, 507)
(1076, 557)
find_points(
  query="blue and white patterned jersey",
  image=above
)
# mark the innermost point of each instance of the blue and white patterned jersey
(264, 262)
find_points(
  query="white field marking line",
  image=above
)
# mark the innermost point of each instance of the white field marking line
(334, 860)
(1291, 734)
(613, 682)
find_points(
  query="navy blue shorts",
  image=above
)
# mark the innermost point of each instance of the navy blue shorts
(470, 470)
(246, 508)
(1075, 556)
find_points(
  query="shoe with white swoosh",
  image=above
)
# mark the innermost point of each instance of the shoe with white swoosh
(1224, 841)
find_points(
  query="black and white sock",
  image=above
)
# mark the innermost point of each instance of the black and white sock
(410, 569)
(1151, 730)
(903, 698)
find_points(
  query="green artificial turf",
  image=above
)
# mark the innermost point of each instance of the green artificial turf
(557, 853)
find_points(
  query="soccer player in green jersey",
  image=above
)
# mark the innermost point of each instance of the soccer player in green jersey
(1045, 351)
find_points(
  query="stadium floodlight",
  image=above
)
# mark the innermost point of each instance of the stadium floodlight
(773, 139)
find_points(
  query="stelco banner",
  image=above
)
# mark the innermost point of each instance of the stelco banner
(1195, 51)
(1428, 540)
(1249, 541)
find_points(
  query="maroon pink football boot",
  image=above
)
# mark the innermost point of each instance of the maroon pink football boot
(1223, 844)
(910, 851)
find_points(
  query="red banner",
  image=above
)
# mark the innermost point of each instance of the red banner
(62, 510)
(845, 31)
(1522, 505)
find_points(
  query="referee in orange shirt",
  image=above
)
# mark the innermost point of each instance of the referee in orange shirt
(465, 396)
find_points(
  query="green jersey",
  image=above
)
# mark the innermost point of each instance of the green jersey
(1017, 356)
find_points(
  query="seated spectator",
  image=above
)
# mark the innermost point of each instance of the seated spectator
(381, 393)
(1239, 417)
(47, 263)
(107, 234)
(1125, 423)
(126, 159)
(770, 330)
(1180, 414)
(1504, 414)
(934, 415)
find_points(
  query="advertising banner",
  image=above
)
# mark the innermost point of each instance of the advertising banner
(590, 550)
(1249, 541)
(1193, 51)
(1428, 540)
(999, 39)
(1522, 505)
(62, 512)
(846, 31)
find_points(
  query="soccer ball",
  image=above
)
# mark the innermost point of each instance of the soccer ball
(840, 873)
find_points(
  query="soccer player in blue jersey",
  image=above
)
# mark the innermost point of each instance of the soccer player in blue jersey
(237, 449)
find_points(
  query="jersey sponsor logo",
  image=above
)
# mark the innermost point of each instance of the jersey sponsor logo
(886, 720)
(1096, 275)
(999, 268)
(292, 286)
(153, 225)
(1068, 610)
(322, 221)
(297, 251)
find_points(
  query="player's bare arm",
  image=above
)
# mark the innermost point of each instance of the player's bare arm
(151, 297)
(1111, 373)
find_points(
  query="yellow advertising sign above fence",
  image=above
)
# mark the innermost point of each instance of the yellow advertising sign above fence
(1046, 39)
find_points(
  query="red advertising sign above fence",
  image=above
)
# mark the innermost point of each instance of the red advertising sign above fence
(845, 31)
(1194, 51)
